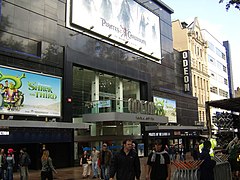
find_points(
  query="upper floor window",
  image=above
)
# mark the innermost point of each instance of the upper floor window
(225, 81)
(223, 93)
(214, 90)
(220, 53)
(211, 60)
(211, 46)
(224, 68)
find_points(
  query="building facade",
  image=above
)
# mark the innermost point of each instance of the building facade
(189, 37)
(108, 87)
(217, 69)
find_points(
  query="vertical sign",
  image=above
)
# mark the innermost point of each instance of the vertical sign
(186, 70)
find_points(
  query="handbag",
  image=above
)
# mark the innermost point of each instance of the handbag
(89, 162)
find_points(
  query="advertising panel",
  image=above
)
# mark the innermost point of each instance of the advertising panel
(28, 93)
(165, 107)
(124, 21)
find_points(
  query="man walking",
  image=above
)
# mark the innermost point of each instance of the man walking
(105, 160)
(158, 164)
(24, 162)
(125, 164)
(94, 158)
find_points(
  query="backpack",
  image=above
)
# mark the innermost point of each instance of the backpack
(27, 160)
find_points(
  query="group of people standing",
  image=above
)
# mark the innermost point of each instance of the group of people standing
(8, 162)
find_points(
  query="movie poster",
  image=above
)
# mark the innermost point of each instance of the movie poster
(27, 93)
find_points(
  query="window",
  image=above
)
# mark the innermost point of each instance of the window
(220, 65)
(223, 93)
(224, 68)
(220, 53)
(194, 80)
(214, 90)
(211, 46)
(212, 75)
(211, 60)
(225, 81)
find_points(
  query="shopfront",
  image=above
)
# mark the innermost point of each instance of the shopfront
(174, 135)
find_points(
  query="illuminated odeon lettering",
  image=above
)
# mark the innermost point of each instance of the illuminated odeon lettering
(141, 106)
(186, 75)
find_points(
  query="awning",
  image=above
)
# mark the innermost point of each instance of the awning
(232, 104)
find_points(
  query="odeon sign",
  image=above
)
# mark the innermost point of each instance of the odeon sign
(141, 106)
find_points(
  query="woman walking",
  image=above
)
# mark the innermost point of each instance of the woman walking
(47, 166)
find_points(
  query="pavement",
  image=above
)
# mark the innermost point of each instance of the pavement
(75, 173)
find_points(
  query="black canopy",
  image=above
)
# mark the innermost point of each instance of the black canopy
(232, 104)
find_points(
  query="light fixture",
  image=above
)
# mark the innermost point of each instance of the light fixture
(126, 42)
(152, 53)
(91, 27)
(140, 48)
(109, 35)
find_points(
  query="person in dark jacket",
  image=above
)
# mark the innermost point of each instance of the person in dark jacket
(125, 164)
(158, 163)
(23, 164)
(105, 157)
(206, 168)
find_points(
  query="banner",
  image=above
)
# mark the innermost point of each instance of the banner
(28, 93)
(124, 21)
(165, 107)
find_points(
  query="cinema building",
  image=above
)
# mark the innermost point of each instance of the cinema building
(75, 75)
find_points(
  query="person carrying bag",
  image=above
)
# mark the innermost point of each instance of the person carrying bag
(47, 166)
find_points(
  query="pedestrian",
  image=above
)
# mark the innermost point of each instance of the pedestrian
(47, 166)
(85, 162)
(10, 164)
(125, 164)
(105, 156)
(206, 168)
(24, 162)
(158, 164)
(94, 157)
(2, 164)
(172, 152)
(196, 152)
(182, 153)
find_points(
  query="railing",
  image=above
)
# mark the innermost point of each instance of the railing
(126, 106)
(189, 170)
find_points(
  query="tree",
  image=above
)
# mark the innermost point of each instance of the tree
(235, 3)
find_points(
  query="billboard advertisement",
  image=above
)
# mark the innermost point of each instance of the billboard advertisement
(123, 21)
(28, 93)
(165, 107)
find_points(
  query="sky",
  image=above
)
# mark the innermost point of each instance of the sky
(214, 17)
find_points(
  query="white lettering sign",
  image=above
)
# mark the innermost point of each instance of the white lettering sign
(186, 75)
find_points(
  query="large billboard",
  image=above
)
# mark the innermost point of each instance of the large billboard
(123, 21)
(165, 107)
(28, 93)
